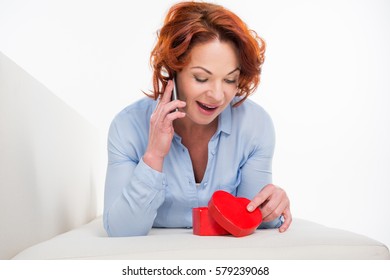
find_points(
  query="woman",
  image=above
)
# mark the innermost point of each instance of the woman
(166, 157)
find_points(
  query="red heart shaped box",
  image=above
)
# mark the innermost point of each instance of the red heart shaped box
(229, 212)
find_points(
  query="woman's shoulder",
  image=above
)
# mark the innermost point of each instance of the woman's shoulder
(252, 122)
(252, 112)
(138, 111)
(133, 119)
(144, 104)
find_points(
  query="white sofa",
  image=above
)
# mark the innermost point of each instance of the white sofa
(48, 196)
(304, 240)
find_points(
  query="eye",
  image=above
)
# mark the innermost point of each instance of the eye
(200, 80)
(230, 81)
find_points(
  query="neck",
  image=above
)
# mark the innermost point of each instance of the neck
(187, 128)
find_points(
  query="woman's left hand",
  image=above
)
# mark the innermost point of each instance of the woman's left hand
(273, 202)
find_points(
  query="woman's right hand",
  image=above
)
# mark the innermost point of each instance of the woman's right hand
(161, 128)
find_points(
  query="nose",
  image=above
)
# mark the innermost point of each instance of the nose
(216, 92)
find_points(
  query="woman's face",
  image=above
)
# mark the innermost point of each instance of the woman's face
(209, 82)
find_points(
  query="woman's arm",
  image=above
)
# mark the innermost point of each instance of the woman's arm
(133, 190)
(135, 184)
(256, 183)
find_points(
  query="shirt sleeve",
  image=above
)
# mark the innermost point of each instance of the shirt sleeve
(133, 190)
(256, 172)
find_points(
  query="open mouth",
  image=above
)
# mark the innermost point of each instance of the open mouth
(206, 107)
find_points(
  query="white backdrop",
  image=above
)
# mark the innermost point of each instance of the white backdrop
(325, 83)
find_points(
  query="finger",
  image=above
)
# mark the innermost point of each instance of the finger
(274, 208)
(261, 197)
(166, 97)
(275, 205)
(173, 116)
(165, 117)
(287, 220)
(170, 108)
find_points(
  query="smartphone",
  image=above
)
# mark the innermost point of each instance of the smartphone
(174, 93)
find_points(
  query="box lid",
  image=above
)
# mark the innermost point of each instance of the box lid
(230, 213)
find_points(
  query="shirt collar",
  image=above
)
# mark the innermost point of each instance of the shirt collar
(225, 120)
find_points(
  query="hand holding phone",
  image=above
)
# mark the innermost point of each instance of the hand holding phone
(161, 129)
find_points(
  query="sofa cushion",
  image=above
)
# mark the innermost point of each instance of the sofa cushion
(303, 240)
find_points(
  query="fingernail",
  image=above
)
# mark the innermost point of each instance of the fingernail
(250, 208)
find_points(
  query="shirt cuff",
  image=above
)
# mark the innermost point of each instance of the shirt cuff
(150, 177)
(272, 224)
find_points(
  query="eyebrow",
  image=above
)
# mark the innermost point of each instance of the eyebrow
(209, 72)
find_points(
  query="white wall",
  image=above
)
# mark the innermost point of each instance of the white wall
(325, 83)
(48, 163)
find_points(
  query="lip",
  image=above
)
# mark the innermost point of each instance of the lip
(211, 109)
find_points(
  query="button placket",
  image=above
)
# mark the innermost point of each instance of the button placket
(191, 190)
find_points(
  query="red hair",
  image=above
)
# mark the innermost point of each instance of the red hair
(190, 23)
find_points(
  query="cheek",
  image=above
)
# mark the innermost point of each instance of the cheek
(231, 94)
(191, 90)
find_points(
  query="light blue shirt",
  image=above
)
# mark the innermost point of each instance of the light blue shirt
(138, 197)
